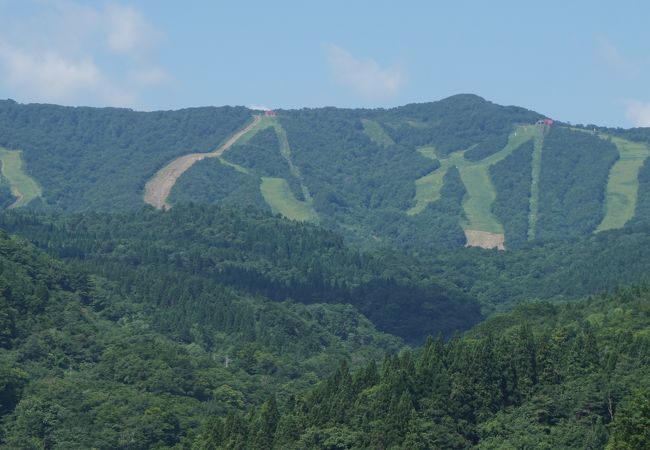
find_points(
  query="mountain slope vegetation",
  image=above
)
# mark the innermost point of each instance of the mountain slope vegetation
(86, 362)
(543, 376)
(257, 311)
(369, 175)
(100, 158)
(165, 329)
(255, 252)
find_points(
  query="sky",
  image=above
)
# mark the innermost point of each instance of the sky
(575, 61)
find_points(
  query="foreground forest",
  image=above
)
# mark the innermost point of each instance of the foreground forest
(86, 364)
(214, 328)
(543, 377)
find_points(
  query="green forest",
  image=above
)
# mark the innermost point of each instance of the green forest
(221, 324)
(220, 328)
(542, 376)
(353, 171)
(87, 362)
(100, 158)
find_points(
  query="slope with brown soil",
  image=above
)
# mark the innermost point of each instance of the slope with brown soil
(158, 188)
(485, 239)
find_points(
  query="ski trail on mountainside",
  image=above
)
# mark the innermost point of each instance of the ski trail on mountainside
(158, 188)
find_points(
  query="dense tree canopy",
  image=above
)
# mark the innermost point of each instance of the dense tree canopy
(543, 377)
(101, 158)
(217, 325)
(257, 253)
(86, 362)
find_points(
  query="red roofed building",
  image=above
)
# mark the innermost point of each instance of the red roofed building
(269, 113)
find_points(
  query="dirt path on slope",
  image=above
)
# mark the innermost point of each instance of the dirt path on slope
(157, 190)
(484, 239)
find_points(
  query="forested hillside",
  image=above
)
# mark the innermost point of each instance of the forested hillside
(542, 377)
(424, 178)
(86, 362)
(255, 313)
(100, 158)
(553, 270)
(252, 252)
(176, 329)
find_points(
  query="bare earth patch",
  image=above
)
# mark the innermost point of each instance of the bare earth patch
(484, 239)
(157, 190)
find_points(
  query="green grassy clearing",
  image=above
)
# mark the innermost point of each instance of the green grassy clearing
(476, 178)
(427, 190)
(285, 150)
(23, 187)
(536, 168)
(276, 191)
(428, 152)
(415, 123)
(376, 133)
(480, 190)
(478, 201)
(623, 183)
(278, 195)
(428, 187)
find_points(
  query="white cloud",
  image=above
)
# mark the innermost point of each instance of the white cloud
(79, 54)
(49, 76)
(639, 113)
(259, 108)
(364, 76)
(128, 32)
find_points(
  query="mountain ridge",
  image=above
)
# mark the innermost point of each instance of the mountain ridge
(373, 175)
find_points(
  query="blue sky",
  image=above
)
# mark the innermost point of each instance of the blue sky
(574, 61)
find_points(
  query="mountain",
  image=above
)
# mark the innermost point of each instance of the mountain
(218, 278)
(422, 177)
(100, 158)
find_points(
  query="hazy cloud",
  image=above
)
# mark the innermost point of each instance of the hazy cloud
(639, 113)
(616, 60)
(149, 76)
(79, 54)
(128, 32)
(51, 77)
(364, 75)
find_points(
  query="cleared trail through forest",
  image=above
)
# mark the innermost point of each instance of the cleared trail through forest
(482, 228)
(536, 168)
(23, 187)
(157, 189)
(623, 182)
